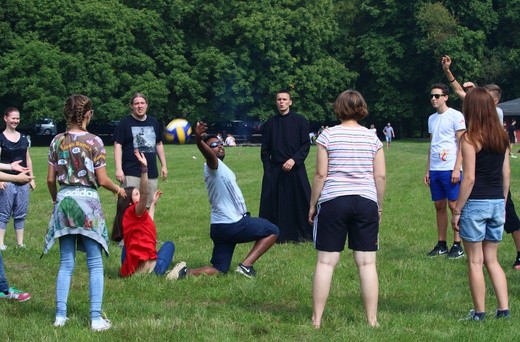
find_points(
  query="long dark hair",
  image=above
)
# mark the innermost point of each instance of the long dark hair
(483, 126)
(122, 205)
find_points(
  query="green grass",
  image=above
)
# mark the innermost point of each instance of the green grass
(420, 298)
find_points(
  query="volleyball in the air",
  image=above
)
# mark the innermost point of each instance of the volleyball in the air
(178, 131)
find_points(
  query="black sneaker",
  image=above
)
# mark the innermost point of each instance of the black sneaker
(474, 316)
(178, 272)
(438, 250)
(248, 271)
(502, 314)
(455, 252)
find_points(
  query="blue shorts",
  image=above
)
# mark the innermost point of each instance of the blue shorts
(388, 138)
(354, 216)
(482, 220)
(225, 236)
(441, 186)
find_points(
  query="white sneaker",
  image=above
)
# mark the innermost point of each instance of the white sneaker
(100, 324)
(3, 247)
(60, 321)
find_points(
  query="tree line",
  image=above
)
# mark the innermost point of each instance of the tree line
(221, 60)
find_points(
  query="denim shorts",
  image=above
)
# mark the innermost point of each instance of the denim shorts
(441, 186)
(482, 220)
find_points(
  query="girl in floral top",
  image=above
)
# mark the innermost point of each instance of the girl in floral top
(77, 163)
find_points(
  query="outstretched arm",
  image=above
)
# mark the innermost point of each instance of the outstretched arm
(209, 155)
(455, 85)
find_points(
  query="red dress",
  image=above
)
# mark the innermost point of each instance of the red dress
(140, 239)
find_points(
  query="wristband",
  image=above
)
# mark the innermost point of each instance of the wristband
(456, 212)
(453, 80)
(144, 169)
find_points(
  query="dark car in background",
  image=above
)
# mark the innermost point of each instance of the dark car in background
(104, 129)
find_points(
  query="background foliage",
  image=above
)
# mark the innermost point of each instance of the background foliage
(222, 60)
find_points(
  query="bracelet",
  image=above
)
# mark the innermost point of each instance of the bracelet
(117, 190)
(144, 169)
(456, 212)
(453, 80)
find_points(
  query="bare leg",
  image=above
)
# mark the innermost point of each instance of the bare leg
(2, 236)
(442, 219)
(366, 264)
(496, 273)
(516, 239)
(259, 248)
(477, 283)
(19, 236)
(325, 265)
(207, 270)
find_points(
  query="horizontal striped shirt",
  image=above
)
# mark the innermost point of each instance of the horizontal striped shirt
(351, 152)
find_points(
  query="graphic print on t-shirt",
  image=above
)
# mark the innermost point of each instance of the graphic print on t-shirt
(144, 138)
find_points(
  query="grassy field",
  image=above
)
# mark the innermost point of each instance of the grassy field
(421, 298)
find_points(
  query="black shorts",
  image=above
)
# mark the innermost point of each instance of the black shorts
(354, 216)
(512, 222)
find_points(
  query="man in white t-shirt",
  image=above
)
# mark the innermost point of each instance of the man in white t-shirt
(443, 173)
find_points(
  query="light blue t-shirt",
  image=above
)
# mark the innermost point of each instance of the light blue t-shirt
(227, 203)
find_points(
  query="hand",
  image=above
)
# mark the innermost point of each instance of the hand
(2, 185)
(164, 173)
(156, 196)
(15, 166)
(32, 184)
(446, 62)
(288, 165)
(455, 176)
(121, 192)
(120, 176)
(426, 179)
(455, 219)
(200, 129)
(312, 213)
(24, 177)
(141, 158)
(468, 85)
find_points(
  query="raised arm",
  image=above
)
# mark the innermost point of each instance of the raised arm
(143, 188)
(455, 85)
(209, 155)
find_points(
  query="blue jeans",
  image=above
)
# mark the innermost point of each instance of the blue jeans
(4, 286)
(164, 257)
(95, 269)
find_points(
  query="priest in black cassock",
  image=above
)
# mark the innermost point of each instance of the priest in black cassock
(285, 187)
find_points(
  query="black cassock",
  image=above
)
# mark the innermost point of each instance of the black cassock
(286, 195)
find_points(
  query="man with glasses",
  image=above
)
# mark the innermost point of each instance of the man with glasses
(230, 221)
(443, 173)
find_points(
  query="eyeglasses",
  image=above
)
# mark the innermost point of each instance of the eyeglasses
(437, 96)
(216, 143)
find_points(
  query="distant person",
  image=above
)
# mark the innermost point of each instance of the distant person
(135, 225)
(7, 292)
(231, 223)
(373, 129)
(14, 197)
(219, 137)
(388, 131)
(285, 187)
(512, 224)
(347, 200)
(443, 166)
(143, 132)
(230, 140)
(77, 161)
(511, 132)
(479, 212)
